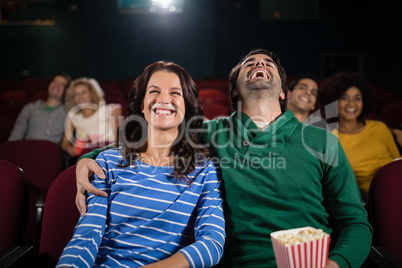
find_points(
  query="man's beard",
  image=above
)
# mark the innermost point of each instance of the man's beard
(261, 85)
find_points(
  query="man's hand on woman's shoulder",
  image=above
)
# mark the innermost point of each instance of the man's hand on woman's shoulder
(85, 168)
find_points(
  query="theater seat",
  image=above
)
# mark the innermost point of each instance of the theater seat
(59, 219)
(385, 207)
(15, 98)
(392, 114)
(215, 110)
(7, 125)
(60, 216)
(14, 199)
(42, 162)
(213, 95)
(39, 95)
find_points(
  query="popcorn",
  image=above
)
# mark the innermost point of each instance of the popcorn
(303, 236)
(301, 247)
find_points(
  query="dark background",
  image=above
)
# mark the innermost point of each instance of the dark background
(92, 38)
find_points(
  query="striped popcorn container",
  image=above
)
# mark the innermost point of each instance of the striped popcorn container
(305, 247)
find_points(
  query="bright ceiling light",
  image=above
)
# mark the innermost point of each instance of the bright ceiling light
(162, 3)
(166, 6)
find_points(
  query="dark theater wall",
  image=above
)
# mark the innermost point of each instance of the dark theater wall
(121, 45)
(351, 35)
(91, 38)
(42, 50)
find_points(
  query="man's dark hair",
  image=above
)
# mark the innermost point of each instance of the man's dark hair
(68, 78)
(65, 75)
(303, 76)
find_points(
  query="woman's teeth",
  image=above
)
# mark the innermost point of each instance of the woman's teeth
(161, 111)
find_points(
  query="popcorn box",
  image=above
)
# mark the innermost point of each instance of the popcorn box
(80, 145)
(295, 249)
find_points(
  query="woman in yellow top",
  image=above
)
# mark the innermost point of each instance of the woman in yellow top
(368, 144)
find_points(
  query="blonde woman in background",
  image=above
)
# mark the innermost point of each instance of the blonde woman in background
(89, 122)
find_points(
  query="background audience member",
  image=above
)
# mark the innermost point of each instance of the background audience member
(90, 122)
(44, 119)
(368, 144)
(161, 190)
(302, 96)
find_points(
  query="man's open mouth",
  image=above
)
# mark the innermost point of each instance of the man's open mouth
(259, 73)
(305, 99)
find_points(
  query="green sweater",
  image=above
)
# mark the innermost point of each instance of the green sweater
(288, 176)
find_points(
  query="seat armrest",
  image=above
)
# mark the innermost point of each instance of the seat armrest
(15, 256)
(40, 205)
(381, 258)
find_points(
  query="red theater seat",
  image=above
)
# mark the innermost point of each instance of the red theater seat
(60, 216)
(42, 162)
(385, 207)
(14, 199)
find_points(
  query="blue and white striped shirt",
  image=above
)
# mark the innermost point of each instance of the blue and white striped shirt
(148, 216)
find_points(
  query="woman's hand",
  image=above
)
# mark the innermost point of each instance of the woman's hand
(398, 135)
(85, 168)
(71, 150)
